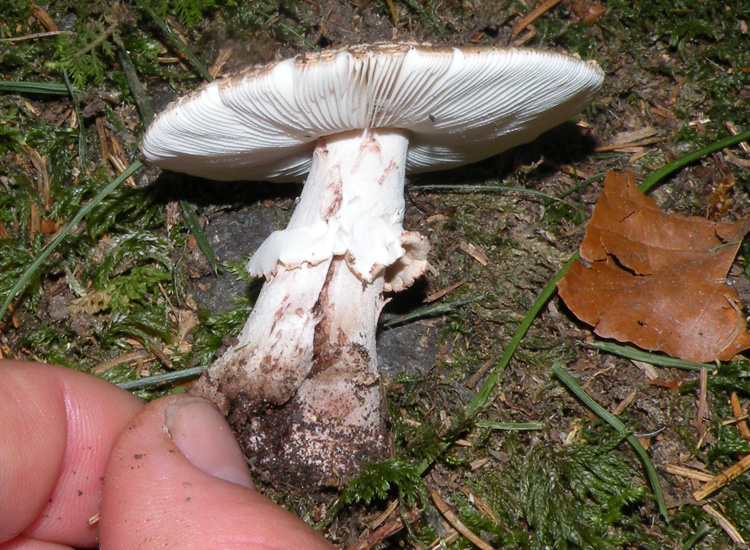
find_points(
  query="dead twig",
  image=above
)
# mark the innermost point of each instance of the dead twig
(721, 479)
(43, 17)
(394, 15)
(34, 36)
(480, 372)
(130, 357)
(733, 130)
(689, 473)
(738, 414)
(481, 505)
(442, 292)
(625, 403)
(702, 407)
(535, 14)
(474, 251)
(448, 538)
(628, 142)
(725, 524)
(457, 524)
(386, 531)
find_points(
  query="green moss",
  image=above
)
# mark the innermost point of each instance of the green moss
(575, 497)
(736, 504)
(253, 15)
(558, 213)
(382, 480)
(88, 54)
(708, 39)
(209, 335)
(576, 38)
(189, 12)
(120, 270)
(119, 373)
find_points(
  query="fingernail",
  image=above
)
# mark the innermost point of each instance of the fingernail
(203, 435)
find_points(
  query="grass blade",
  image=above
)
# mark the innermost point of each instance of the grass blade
(135, 85)
(290, 30)
(684, 160)
(511, 426)
(175, 40)
(483, 395)
(200, 237)
(485, 391)
(33, 88)
(155, 380)
(83, 151)
(93, 203)
(653, 358)
(701, 532)
(428, 311)
(147, 115)
(578, 187)
(615, 422)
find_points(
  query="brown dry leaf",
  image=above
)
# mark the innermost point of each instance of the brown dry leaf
(655, 279)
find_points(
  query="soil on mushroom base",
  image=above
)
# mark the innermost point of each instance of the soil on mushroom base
(327, 430)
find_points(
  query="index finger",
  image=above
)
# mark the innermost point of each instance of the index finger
(58, 428)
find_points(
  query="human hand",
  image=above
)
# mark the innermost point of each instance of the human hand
(168, 474)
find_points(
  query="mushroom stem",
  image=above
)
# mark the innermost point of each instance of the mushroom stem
(301, 385)
(352, 205)
(335, 423)
(273, 353)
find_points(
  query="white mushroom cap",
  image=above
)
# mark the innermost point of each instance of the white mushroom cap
(459, 105)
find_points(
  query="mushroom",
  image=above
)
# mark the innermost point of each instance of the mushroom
(301, 385)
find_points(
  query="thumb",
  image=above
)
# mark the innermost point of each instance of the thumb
(177, 479)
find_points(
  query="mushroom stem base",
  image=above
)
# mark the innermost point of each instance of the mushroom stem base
(307, 413)
(334, 424)
(273, 353)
